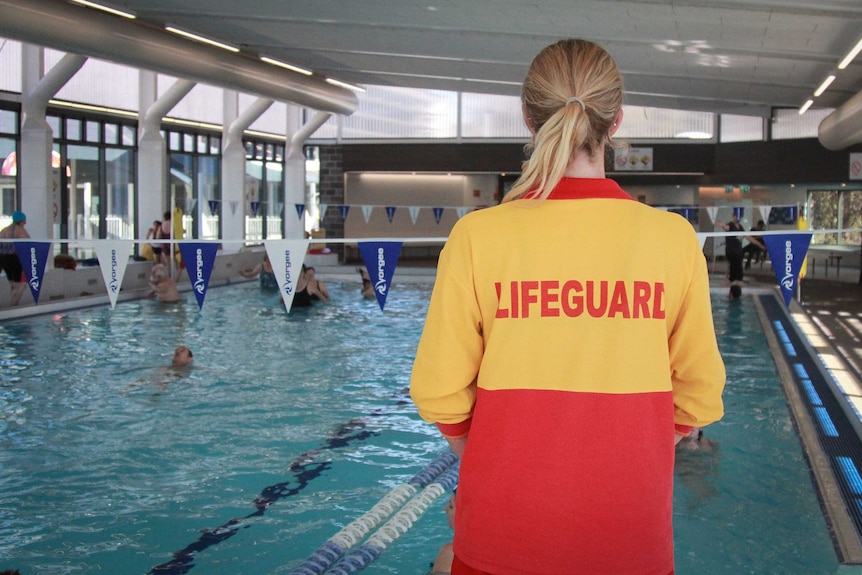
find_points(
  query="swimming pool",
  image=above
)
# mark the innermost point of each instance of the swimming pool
(111, 464)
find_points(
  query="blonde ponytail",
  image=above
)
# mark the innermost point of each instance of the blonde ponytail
(571, 96)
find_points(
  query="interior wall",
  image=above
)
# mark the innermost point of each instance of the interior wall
(425, 191)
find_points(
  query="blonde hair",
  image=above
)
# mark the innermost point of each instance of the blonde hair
(571, 97)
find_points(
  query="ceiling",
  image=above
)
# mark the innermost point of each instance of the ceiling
(723, 56)
(726, 56)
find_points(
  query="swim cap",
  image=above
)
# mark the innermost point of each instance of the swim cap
(18, 217)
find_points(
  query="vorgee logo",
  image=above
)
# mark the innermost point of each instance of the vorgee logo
(288, 282)
(380, 286)
(34, 270)
(787, 281)
(199, 271)
(114, 285)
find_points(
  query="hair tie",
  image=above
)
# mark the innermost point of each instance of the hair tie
(578, 100)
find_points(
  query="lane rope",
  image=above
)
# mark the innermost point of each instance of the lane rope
(339, 544)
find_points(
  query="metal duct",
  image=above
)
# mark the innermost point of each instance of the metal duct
(78, 30)
(843, 127)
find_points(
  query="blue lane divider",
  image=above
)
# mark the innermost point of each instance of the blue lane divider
(339, 544)
(400, 523)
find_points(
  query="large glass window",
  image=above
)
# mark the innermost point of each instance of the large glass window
(83, 198)
(194, 182)
(264, 191)
(8, 166)
(120, 192)
(835, 210)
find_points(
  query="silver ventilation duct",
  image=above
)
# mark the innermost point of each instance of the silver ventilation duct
(843, 127)
(78, 30)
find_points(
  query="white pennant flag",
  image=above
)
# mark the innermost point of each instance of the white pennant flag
(286, 257)
(461, 210)
(702, 239)
(233, 205)
(414, 213)
(113, 258)
(323, 210)
(712, 211)
(764, 213)
(366, 211)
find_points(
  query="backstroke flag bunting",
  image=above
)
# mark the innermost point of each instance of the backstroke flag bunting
(380, 259)
(702, 239)
(787, 252)
(286, 257)
(199, 258)
(113, 256)
(33, 256)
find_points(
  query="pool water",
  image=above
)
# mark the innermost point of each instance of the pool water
(112, 463)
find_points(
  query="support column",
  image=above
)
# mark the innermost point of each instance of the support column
(233, 167)
(39, 200)
(152, 150)
(294, 166)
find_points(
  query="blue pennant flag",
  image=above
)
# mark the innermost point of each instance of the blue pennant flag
(213, 206)
(33, 256)
(438, 213)
(787, 252)
(199, 258)
(300, 209)
(255, 206)
(739, 212)
(390, 213)
(380, 259)
(344, 211)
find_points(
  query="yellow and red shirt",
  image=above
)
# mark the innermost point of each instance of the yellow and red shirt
(568, 337)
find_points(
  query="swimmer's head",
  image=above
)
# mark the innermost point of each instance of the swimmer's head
(735, 291)
(182, 356)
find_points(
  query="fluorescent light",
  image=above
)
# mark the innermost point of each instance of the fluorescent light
(851, 55)
(805, 107)
(286, 65)
(345, 85)
(89, 107)
(201, 39)
(824, 85)
(107, 9)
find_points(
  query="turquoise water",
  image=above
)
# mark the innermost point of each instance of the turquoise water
(109, 463)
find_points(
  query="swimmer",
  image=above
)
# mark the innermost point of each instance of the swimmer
(162, 286)
(367, 289)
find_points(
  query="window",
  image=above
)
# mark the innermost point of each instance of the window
(835, 210)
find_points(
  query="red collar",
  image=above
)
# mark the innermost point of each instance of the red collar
(585, 189)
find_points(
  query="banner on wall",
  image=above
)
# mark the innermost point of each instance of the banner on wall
(856, 166)
(113, 257)
(33, 256)
(286, 257)
(199, 258)
(380, 259)
(787, 252)
(633, 159)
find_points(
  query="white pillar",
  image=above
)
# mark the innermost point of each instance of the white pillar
(39, 200)
(233, 166)
(294, 166)
(152, 150)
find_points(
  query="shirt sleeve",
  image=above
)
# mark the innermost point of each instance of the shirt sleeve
(443, 381)
(697, 370)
